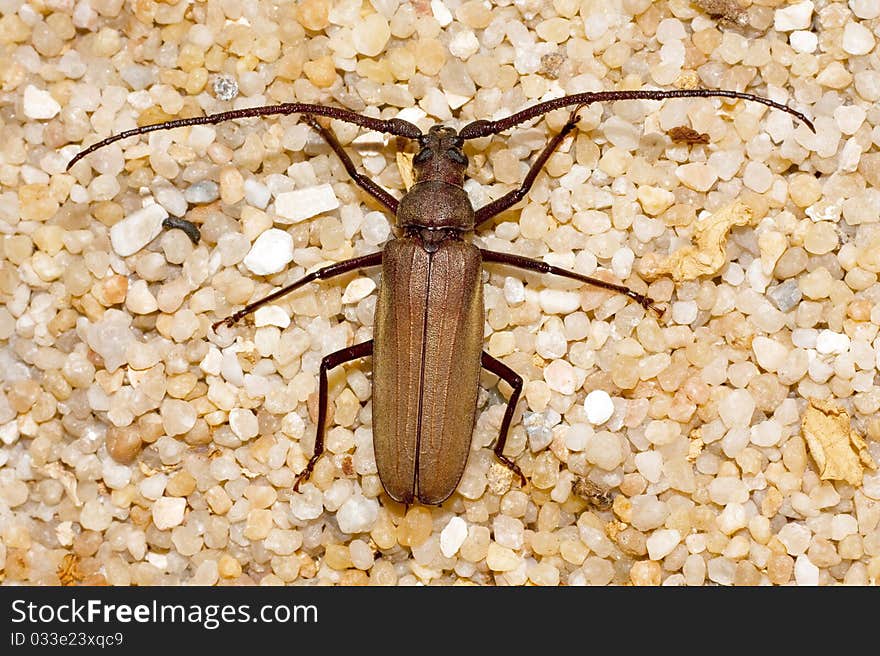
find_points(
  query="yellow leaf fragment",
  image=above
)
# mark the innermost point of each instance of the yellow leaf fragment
(840, 453)
(405, 166)
(707, 255)
(249, 474)
(772, 245)
(614, 528)
(68, 571)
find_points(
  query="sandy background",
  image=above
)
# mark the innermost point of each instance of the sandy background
(138, 446)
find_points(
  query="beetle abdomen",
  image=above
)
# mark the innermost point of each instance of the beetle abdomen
(426, 366)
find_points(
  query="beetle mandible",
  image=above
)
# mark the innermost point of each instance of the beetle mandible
(428, 331)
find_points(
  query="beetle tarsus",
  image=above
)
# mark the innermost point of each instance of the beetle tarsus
(645, 301)
(229, 321)
(574, 117)
(305, 473)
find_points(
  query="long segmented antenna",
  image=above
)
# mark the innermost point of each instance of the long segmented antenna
(402, 128)
(483, 128)
(395, 126)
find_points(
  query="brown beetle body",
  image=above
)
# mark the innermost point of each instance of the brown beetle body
(428, 332)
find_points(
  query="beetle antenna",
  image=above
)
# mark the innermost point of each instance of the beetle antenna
(395, 126)
(484, 128)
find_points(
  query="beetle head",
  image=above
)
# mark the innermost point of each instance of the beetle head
(441, 156)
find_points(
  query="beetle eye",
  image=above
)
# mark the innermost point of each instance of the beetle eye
(457, 156)
(423, 156)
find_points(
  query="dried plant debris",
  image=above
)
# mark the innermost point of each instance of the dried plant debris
(840, 453)
(68, 570)
(707, 255)
(695, 447)
(597, 497)
(729, 11)
(550, 65)
(405, 166)
(684, 134)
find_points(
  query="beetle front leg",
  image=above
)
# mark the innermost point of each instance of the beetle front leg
(515, 381)
(511, 198)
(362, 350)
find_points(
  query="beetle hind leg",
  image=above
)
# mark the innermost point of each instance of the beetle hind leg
(324, 273)
(515, 381)
(362, 350)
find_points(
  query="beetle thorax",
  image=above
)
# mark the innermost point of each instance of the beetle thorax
(437, 200)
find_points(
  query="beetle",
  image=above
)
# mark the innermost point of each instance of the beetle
(427, 340)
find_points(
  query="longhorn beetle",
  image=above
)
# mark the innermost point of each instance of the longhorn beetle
(427, 340)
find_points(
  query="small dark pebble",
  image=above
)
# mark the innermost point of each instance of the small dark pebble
(190, 228)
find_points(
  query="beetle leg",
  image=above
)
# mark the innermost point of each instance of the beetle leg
(389, 201)
(513, 379)
(511, 198)
(362, 350)
(373, 259)
(542, 267)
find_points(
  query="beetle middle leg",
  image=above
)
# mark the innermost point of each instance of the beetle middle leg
(542, 267)
(513, 379)
(329, 271)
(362, 350)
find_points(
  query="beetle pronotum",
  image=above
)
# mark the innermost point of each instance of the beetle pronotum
(427, 344)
